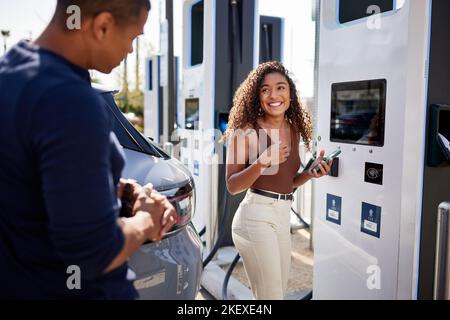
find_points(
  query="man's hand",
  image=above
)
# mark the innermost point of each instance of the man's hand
(161, 211)
(128, 191)
(128, 183)
(151, 217)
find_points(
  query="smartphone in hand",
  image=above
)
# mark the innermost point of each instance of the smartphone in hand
(327, 158)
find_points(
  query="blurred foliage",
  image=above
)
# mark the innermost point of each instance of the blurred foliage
(132, 102)
(96, 80)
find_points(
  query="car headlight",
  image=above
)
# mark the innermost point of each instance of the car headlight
(184, 203)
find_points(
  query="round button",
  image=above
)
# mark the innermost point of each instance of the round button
(373, 173)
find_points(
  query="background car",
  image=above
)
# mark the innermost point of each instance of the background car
(171, 268)
(352, 126)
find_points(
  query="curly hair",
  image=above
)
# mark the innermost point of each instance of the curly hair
(246, 104)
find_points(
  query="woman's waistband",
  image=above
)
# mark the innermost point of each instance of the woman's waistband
(273, 195)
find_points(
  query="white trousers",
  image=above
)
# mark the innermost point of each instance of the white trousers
(261, 234)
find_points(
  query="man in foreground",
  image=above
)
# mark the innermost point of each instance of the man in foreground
(60, 163)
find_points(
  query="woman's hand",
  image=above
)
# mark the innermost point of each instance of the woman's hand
(276, 154)
(322, 167)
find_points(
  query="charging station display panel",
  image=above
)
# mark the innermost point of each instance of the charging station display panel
(444, 123)
(197, 26)
(223, 121)
(444, 132)
(192, 113)
(358, 112)
(350, 10)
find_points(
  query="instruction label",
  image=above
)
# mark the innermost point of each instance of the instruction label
(334, 205)
(196, 168)
(371, 219)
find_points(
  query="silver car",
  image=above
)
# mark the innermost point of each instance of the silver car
(171, 268)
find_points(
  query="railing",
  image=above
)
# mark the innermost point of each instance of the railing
(442, 268)
(303, 198)
(168, 148)
(212, 222)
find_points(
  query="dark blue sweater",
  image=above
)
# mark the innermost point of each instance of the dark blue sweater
(59, 168)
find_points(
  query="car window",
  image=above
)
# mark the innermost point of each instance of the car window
(161, 152)
(127, 135)
(125, 139)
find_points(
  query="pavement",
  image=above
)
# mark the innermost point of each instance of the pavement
(299, 284)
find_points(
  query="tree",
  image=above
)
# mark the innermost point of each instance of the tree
(132, 101)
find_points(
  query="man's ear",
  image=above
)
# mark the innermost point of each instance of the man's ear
(102, 25)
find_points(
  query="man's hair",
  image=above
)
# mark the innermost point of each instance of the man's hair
(124, 11)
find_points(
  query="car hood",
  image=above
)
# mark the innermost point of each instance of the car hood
(164, 174)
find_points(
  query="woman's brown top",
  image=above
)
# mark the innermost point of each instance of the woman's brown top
(279, 178)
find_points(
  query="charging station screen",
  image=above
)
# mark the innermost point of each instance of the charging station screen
(223, 121)
(357, 112)
(350, 10)
(197, 33)
(192, 113)
(444, 123)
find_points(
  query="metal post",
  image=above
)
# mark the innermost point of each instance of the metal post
(213, 217)
(316, 14)
(168, 148)
(137, 76)
(125, 88)
(442, 268)
(171, 71)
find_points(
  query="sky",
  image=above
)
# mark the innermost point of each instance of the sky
(28, 18)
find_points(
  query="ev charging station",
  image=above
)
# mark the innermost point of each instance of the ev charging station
(383, 85)
(155, 113)
(220, 48)
(153, 104)
(223, 41)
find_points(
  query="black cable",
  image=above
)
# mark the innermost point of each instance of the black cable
(202, 232)
(266, 53)
(227, 277)
(300, 218)
(236, 47)
(220, 235)
(308, 296)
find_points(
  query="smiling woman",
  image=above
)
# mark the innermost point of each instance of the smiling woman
(274, 94)
(267, 111)
(247, 100)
